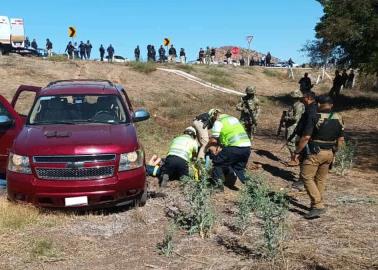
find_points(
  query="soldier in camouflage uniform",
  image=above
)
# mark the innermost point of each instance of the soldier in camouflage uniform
(292, 118)
(249, 107)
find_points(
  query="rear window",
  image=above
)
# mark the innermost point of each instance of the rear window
(72, 109)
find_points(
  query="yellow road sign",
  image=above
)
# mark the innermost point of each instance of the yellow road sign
(71, 31)
(166, 41)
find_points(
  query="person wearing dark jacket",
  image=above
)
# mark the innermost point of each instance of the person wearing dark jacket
(268, 59)
(102, 52)
(137, 53)
(161, 54)
(172, 54)
(305, 84)
(110, 51)
(70, 50)
(27, 42)
(308, 117)
(201, 56)
(82, 50)
(49, 47)
(34, 44)
(337, 83)
(153, 53)
(182, 56)
(88, 49)
(350, 80)
(344, 77)
(228, 57)
(212, 54)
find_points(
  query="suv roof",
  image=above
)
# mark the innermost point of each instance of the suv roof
(85, 86)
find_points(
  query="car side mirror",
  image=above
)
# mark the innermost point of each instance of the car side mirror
(5, 123)
(140, 115)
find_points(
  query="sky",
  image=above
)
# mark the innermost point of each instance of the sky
(279, 26)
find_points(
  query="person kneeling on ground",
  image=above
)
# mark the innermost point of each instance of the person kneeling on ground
(229, 134)
(181, 152)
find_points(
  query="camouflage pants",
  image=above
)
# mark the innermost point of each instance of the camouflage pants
(250, 129)
(293, 143)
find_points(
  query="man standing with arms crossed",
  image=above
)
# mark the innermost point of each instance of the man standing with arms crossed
(322, 135)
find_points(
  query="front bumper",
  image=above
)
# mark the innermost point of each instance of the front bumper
(122, 188)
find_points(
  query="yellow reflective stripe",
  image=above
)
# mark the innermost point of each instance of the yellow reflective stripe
(237, 138)
(156, 168)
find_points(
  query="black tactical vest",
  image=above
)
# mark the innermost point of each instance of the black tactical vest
(328, 129)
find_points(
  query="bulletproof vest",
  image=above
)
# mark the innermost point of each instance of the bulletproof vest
(328, 129)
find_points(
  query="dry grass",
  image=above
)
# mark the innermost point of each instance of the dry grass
(344, 238)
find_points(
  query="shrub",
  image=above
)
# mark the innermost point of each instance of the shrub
(200, 218)
(344, 158)
(58, 58)
(143, 67)
(271, 73)
(270, 207)
(165, 247)
(186, 68)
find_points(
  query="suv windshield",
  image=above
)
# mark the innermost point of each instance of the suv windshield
(73, 109)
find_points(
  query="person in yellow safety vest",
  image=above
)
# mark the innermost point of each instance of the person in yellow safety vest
(181, 152)
(230, 135)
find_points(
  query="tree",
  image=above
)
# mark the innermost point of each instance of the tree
(350, 29)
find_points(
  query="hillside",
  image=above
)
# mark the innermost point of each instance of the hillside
(345, 238)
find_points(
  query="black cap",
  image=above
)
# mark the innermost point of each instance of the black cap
(325, 99)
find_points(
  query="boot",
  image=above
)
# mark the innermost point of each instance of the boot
(298, 185)
(164, 180)
(315, 213)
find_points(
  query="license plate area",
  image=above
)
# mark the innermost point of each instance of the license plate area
(76, 201)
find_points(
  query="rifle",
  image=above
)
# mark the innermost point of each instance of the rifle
(251, 119)
(282, 123)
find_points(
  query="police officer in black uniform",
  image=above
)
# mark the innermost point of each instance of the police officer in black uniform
(308, 118)
(321, 136)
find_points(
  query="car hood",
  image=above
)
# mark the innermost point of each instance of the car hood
(76, 140)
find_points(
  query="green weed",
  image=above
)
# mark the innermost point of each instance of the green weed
(166, 247)
(143, 67)
(271, 73)
(271, 207)
(200, 218)
(43, 248)
(186, 68)
(344, 158)
(58, 58)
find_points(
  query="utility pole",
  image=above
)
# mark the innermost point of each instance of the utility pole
(249, 40)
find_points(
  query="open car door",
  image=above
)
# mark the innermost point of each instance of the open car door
(10, 125)
(24, 99)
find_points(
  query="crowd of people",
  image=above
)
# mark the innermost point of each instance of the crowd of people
(314, 133)
(208, 56)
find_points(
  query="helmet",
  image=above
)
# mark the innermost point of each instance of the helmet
(213, 112)
(296, 94)
(190, 131)
(251, 90)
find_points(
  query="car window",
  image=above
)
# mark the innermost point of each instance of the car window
(74, 109)
(4, 111)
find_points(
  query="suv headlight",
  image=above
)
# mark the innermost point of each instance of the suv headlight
(130, 161)
(19, 164)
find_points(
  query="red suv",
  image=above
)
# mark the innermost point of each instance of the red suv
(78, 146)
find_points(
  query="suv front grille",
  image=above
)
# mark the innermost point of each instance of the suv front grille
(76, 158)
(91, 173)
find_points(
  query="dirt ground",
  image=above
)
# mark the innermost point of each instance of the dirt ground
(345, 238)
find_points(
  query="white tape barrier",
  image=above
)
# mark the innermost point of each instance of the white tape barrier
(201, 82)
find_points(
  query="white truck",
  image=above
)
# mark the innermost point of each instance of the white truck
(12, 34)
